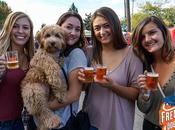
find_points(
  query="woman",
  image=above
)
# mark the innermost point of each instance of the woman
(16, 35)
(75, 59)
(111, 101)
(152, 43)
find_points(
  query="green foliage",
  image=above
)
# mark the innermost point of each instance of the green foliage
(87, 21)
(73, 8)
(136, 18)
(4, 11)
(156, 9)
(123, 23)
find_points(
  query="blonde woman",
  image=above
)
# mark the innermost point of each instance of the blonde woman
(16, 35)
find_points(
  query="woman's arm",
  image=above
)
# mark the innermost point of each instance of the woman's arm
(2, 67)
(73, 94)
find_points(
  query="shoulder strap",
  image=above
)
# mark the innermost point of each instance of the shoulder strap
(65, 76)
(64, 73)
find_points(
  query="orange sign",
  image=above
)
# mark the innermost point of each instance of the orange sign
(167, 117)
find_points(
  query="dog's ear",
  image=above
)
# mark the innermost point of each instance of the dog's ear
(65, 36)
(40, 35)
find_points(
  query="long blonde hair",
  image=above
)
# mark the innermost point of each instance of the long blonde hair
(6, 31)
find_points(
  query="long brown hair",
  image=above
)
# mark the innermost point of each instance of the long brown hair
(167, 52)
(114, 22)
(81, 42)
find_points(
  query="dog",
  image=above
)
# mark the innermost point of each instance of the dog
(44, 72)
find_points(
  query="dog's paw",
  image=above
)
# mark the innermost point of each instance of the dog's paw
(53, 122)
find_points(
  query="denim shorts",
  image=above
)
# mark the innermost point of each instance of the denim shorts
(11, 125)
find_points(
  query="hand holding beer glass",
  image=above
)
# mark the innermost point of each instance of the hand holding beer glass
(12, 59)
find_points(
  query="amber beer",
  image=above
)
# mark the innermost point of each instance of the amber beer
(100, 72)
(89, 74)
(12, 60)
(152, 80)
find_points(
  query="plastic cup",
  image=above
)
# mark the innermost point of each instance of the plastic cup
(152, 80)
(100, 72)
(12, 59)
(89, 74)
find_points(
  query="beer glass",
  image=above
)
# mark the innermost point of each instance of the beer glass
(12, 59)
(100, 72)
(152, 80)
(89, 74)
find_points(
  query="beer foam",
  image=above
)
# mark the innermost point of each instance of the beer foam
(152, 74)
(88, 68)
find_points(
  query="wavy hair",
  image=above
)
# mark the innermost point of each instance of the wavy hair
(5, 40)
(167, 52)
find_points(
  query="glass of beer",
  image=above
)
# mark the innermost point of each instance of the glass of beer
(12, 59)
(152, 80)
(89, 74)
(100, 72)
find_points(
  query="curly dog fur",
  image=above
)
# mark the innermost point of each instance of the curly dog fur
(45, 72)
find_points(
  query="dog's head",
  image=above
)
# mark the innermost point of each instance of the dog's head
(52, 38)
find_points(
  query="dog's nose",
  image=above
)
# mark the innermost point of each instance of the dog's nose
(52, 43)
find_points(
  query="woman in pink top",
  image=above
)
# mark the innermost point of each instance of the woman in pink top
(16, 35)
(111, 101)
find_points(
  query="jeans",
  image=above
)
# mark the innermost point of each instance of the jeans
(91, 128)
(150, 126)
(12, 125)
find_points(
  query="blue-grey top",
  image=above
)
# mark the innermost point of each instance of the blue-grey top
(76, 59)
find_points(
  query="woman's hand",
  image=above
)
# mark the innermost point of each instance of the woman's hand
(2, 66)
(106, 82)
(81, 76)
(141, 80)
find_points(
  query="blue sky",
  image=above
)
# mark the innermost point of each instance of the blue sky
(48, 11)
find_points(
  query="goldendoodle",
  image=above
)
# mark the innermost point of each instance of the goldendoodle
(44, 74)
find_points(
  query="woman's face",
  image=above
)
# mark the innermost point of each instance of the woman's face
(20, 33)
(102, 30)
(72, 26)
(152, 38)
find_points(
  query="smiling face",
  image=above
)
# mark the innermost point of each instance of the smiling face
(102, 30)
(72, 27)
(152, 38)
(20, 33)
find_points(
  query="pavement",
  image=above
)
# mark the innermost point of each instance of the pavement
(138, 121)
(138, 115)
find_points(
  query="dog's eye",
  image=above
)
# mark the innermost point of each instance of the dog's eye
(57, 35)
(47, 35)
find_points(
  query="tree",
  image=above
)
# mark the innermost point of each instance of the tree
(4, 11)
(156, 9)
(73, 8)
(124, 24)
(87, 21)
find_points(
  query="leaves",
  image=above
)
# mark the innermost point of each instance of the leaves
(156, 9)
(4, 11)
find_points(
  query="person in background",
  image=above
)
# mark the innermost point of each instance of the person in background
(16, 35)
(152, 43)
(75, 59)
(111, 101)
